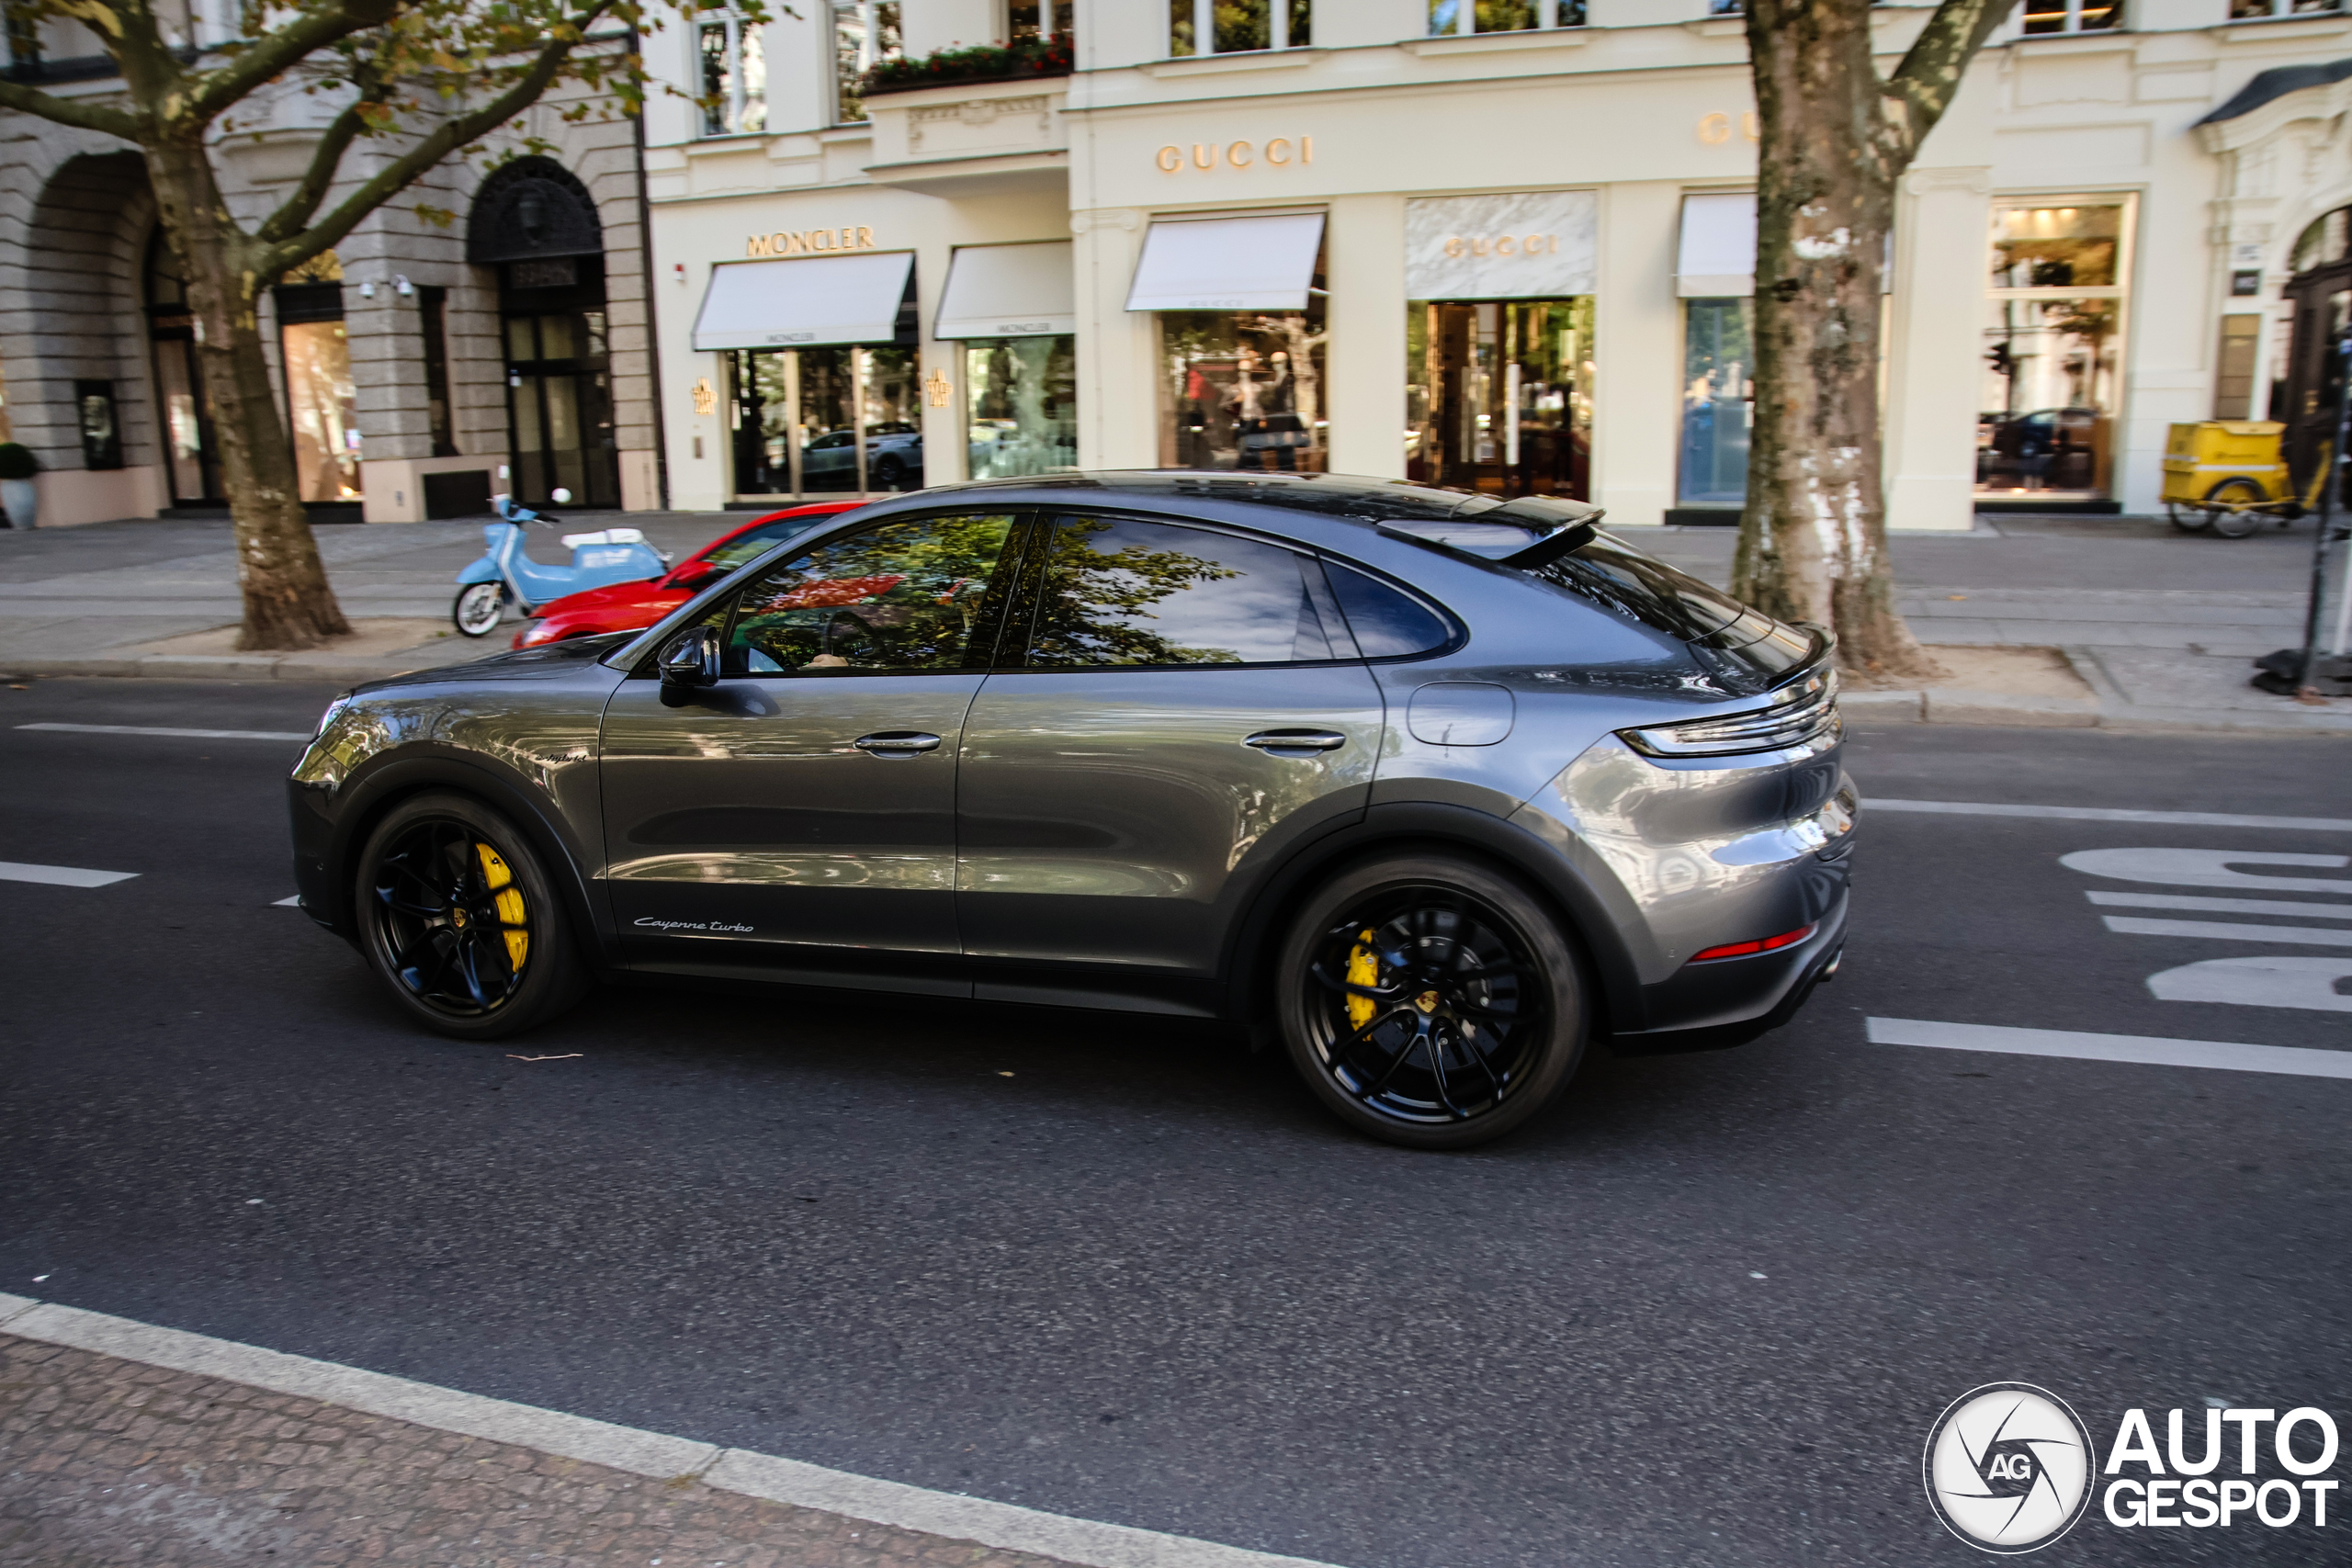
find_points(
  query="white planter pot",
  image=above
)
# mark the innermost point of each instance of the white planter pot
(21, 500)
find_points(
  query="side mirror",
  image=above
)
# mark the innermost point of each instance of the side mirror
(689, 665)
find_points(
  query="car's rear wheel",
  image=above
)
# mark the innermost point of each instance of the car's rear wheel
(1431, 1000)
(457, 916)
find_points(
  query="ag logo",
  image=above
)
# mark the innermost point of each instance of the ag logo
(2008, 1468)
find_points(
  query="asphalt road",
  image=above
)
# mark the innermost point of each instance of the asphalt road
(1703, 1314)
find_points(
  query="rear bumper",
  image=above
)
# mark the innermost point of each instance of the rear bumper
(1731, 1000)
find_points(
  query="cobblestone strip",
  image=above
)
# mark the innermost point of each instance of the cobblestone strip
(111, 1464)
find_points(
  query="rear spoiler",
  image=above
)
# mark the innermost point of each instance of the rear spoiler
(1563, 527)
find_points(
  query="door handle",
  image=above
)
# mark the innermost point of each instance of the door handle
(897, 743)
(1276, 743)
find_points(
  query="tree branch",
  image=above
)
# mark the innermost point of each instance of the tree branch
(1922, 87)
(69, 111)
(343, 130)
(443, 139)
(271, 55)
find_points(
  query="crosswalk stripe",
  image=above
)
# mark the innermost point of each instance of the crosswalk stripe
(2148, 1050)
(167, 729)
(2107, 814)
(2228, 931)
(61, 875)
(2309, 909)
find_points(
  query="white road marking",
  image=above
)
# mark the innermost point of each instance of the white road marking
(61, 875)
(2265, 981)
(2150, 1050)
(293, 903)
(2104, 813)
(2228, 931)
(2306, 907)
(166, 730)
(950, 1514)
(2208, 868)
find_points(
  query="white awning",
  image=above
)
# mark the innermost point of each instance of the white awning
(1009, 291)
(1228, 264)
(1717, 256)
(806, 302)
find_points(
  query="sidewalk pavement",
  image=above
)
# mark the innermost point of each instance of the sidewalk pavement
(2159, 628)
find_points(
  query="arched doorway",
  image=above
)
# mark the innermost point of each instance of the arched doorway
(537, 225)
(2305, 392)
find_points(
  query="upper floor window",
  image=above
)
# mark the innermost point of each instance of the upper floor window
(2256, 10)
(1232, 27)
(1036, 20)
(866, 32)
(734, 78)
(2070, 16)
(1450, 18)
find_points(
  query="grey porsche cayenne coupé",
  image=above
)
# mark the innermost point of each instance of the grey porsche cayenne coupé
(1439, 790)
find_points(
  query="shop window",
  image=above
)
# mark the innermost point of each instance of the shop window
(2053, 349)
(866, 32)
(1499, 397)
(433, 315)
(734, 78)
(101, 430)
(191, 465)
(321, 402)
(1450, 18)
(1718, 400)
(1243, 389)
(827, 421)
(1021, 398)
(2070, 16)
(2260, 10)
(1235, 26)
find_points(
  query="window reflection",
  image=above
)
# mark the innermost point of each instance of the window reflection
(1020, 396)
(2053, 326)
(827, 421)
(323, 409)
(1120, 592)
(903, 596)
(1243, 389)
(1500, 397)
(1718, 392)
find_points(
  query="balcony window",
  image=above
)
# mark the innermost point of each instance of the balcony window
(1451, 18)
(866, 32)
(2041, 16)
(2262, 10)
(1235, 27)
(1034, 21)
(734, 78)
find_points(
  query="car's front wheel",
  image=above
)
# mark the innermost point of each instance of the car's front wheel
(1431, 1000)
(457, 916)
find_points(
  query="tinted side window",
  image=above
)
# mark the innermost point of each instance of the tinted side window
(901, 596)
(759, 541)
(1387, 624)
(1120, 592)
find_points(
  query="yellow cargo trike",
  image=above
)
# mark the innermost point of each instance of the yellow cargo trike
(2229, 474)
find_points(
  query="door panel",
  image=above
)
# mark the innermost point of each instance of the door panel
(1180, 706)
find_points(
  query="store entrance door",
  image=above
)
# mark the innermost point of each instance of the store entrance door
(558, 382)
(2316, 368)
(1500, 399)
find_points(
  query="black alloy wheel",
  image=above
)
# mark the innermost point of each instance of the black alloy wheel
(1431, 1002)
(457, 918)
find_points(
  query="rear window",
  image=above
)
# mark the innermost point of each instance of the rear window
(1732, 638)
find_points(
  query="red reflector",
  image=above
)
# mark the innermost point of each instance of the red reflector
(1742, 949)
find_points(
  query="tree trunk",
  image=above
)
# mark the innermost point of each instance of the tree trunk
(1812, 546)
(287, 601)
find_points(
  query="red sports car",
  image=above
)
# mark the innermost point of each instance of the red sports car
(629, 606)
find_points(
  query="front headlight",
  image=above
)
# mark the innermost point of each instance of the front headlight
(335, 709)
(1799, 716)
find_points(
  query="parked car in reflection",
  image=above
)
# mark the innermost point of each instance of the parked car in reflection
(893, 458)
(631, 607)
(1433, 791)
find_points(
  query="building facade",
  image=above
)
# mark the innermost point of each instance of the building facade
(419, 368)
(1504, 247)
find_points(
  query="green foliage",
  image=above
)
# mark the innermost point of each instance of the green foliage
(1095, 607)
(17, 462)
(980, 63)
(903, 596)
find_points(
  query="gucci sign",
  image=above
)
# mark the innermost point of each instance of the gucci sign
(1206, 155)
(1502, 245)
(1715, 129)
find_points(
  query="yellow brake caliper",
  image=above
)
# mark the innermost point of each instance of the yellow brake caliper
(510, 904)
(1364, 969)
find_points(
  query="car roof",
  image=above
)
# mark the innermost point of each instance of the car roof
(814, 508)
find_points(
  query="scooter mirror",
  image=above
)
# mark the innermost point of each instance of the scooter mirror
(560, 496)
(689, 664)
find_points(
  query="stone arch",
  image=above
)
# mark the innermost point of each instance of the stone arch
(532, 206)
(79, 314)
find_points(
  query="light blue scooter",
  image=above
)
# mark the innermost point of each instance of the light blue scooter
(507, 572)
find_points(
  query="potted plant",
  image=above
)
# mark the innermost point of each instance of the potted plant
(18, 495)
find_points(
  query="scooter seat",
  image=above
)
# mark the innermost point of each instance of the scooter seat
(605, 537)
